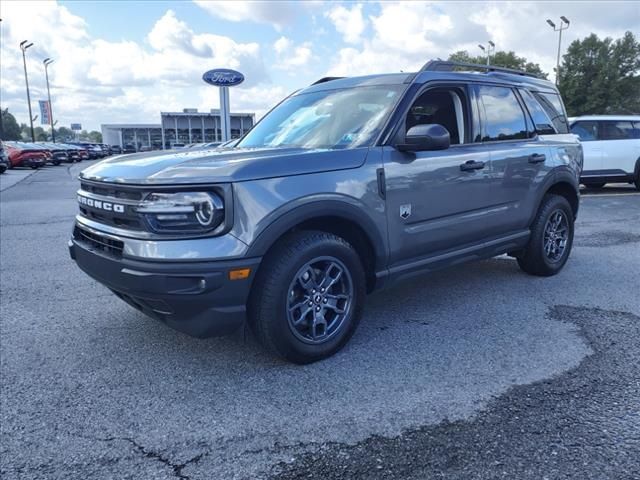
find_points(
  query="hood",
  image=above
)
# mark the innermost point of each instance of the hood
(220, 165)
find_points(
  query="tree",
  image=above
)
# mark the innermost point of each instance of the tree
(92, 136)
(601, 76)
(10, 128)
(64, 134)
(500, 59)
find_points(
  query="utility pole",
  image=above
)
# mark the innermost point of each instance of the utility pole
(47, 62)
(564, 24)
(23, 47)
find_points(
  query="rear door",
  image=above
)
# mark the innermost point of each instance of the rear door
(620, 149)
(518, 155)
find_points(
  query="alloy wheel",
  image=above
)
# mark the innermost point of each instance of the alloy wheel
(556, 235)
(319, 299)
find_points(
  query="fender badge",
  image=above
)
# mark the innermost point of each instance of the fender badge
(405, 211)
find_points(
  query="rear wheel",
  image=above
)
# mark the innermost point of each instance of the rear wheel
(308, 296)
(551, 238)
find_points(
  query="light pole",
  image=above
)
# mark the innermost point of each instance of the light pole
(490, 48)
(564, 24)
(23, 46)
(47, 62)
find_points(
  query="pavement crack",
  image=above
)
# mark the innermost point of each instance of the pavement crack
(176, 467)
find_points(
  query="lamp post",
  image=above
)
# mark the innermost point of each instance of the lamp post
(23, 46)
(489, 49)
(47, 62)
(564, 24)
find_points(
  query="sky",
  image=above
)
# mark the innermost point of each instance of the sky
(124, 62)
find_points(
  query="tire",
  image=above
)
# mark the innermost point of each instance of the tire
(56, 163)
(536, 259)
(289, 313)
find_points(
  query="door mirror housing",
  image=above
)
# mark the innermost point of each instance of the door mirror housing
(421, 138)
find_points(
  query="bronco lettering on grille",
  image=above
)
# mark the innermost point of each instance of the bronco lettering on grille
(100, 205)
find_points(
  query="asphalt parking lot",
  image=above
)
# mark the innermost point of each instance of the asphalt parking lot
(476, 372)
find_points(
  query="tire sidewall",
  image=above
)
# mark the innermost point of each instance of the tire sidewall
(556, 203)
(279, 330)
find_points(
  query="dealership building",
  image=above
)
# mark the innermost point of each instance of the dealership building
(188, 126)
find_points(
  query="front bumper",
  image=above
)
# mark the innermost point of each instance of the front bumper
(196, 298)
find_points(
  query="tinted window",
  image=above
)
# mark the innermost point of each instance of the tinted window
(504, 118)
(442, 106)
(616, 130)
(553, 106)
(541, 121)
(586, 131)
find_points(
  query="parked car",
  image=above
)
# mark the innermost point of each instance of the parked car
(611, 145)
(4, 159)
(129, 149)
(25, 155)
(116, 150)
(94, 151)
(58, 152)
(345, 187)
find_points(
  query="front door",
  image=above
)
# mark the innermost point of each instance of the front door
(439, 200)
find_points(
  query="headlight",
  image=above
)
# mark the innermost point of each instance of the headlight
(182, 212)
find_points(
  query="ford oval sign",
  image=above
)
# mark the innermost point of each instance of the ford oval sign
(223, 77)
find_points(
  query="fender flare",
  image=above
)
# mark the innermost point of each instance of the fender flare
(559, 175)
(346, 210)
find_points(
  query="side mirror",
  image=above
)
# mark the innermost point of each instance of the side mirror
(420, 138)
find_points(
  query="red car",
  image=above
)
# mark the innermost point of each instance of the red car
(25, 155)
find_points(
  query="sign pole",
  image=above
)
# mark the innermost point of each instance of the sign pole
(223, 78)
(225, 116)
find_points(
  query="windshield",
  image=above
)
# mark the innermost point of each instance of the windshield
(346, 118)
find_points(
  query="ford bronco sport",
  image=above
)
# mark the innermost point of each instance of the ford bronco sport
(344, 187)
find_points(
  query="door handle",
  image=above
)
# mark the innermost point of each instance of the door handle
(472, 165)
(537, 158)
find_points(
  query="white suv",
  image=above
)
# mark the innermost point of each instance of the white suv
(611, 145)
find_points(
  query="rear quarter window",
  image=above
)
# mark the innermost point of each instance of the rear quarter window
(541, 121)
(552, 105)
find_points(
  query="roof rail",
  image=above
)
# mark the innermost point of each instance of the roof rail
(326, 79)
(447, 66)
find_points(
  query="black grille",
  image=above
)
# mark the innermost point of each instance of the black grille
(112, 191)
(99, 242)
(128, 218)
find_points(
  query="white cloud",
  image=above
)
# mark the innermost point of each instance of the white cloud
(291, 56)
(94, 80)
(350, 23)
(282, 45)
(278, 14)
(405, 35)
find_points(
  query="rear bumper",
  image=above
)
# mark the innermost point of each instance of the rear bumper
(196, 298)
(31, 162)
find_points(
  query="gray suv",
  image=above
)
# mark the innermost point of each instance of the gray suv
(343, 188)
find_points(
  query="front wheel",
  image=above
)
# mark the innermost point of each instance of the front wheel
(551, 238)
(308, 296)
